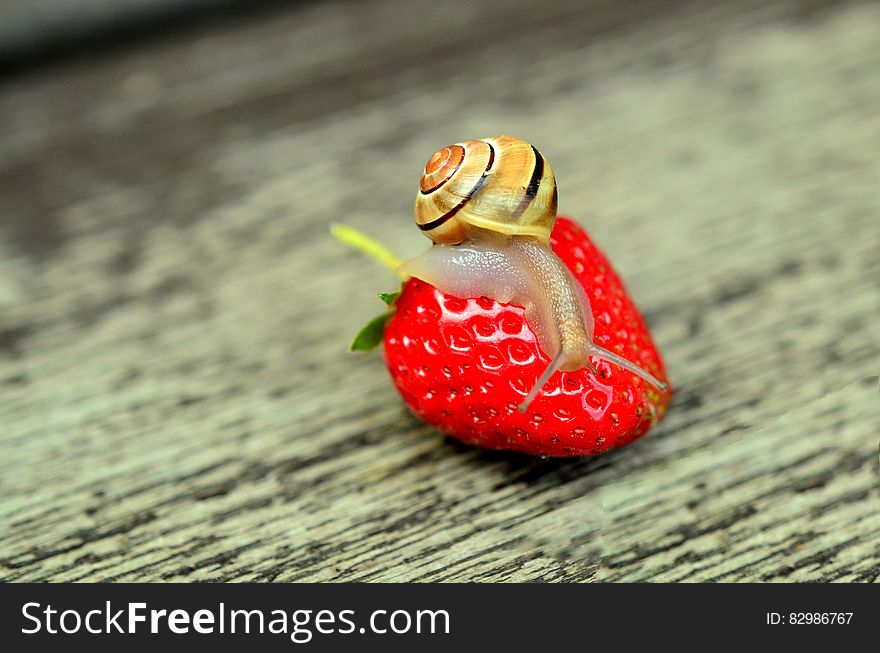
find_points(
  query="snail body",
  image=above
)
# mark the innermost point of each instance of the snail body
(489, 206)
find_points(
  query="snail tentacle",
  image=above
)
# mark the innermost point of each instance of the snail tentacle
(611, 357)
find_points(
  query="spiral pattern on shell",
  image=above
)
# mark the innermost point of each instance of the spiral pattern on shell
(501, 184)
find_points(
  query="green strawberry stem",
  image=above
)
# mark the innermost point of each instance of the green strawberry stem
(366, 245)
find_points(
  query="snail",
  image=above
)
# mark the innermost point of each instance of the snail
(489, 206)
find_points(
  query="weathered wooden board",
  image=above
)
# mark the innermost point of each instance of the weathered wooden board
(176, 399)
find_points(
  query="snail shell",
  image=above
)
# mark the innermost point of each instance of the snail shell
(501, 183)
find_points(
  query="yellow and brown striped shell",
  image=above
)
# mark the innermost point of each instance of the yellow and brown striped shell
(501, 184)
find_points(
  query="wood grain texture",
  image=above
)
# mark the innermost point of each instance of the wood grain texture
(176, 400)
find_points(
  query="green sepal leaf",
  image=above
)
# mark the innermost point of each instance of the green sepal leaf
(389, 297)
(371, 335)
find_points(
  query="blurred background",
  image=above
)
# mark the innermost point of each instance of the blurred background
(176, 399)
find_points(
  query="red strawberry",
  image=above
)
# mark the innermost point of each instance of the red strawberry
(465, 365)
